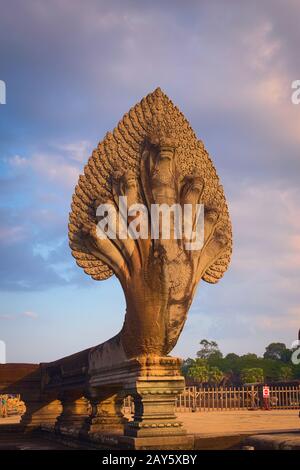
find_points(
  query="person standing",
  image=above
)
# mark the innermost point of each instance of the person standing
(4, 406)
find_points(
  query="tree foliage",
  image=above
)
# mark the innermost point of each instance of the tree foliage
(275, 351)
(211, 367)
(202, 373)
(256, 374)
(209, 350)
(286, 373)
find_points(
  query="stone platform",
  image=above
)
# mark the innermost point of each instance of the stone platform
(57, 396)
(43, 441)
(276, 429)
(274, 441)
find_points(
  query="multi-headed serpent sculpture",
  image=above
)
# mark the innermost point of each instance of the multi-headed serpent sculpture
(151, 157)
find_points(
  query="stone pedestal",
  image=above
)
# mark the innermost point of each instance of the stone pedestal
(153, 382)
(154, 394)
(74, 414)
(106, 413)
(41, 414)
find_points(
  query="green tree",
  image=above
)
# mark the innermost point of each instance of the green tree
(249, 357)
(256, 374)
(296, 371)
(275, 351)
(286, 355)
(271, 368)
(232, 357)
(285, 373)
(199, 372)
(186, 364)
(215, 375)
(209, 350)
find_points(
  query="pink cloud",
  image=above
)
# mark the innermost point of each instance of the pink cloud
(29, 314)
(62, 166)
(55, 169)
(78, 151)
(10, 235)
(26, 314)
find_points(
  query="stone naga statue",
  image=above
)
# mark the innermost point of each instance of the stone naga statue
(151, 157)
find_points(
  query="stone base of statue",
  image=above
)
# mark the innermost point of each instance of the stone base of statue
(154, 406)
(153, 382)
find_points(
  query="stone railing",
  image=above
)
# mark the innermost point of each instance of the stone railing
(73, 398)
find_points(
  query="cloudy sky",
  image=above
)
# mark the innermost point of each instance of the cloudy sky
(72, 69)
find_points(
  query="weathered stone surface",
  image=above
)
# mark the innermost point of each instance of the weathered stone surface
(106, 415)
(41, 413)
(158, 442)
(25, 379)
(284, 441)
(154, 391)
(74, 413)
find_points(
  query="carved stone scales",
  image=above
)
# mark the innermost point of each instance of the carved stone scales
(151, 157)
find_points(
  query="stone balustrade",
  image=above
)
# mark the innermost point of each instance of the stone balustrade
(71, 399)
